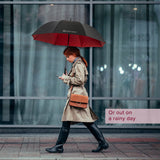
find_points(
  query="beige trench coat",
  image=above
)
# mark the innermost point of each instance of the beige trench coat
(77, 77)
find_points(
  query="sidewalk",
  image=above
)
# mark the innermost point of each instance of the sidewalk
(79, 146)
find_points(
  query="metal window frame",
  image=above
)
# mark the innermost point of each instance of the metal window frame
(78, 2)
(90, 3)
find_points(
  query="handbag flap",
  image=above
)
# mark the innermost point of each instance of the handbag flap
(79, 98)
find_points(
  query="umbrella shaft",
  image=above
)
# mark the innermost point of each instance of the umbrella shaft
(65, 67)
(68, 39)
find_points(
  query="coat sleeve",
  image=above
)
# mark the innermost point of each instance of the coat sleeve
(79, 77)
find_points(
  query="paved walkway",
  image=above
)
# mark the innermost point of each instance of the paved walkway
(79, 146)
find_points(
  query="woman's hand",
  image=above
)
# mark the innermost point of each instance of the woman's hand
(62, 77)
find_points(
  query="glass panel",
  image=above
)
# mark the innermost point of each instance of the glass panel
(31, 112)
(127, 66)
(28, 67)
(99, 107)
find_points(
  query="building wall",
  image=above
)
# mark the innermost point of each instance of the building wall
(124, 74)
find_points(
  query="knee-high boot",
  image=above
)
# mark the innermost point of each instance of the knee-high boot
(62, 138)
(103, 144)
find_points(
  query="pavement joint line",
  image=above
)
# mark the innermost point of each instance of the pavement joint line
(77, 158)
(79, 142)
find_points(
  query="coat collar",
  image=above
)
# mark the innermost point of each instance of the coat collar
(77, 60)
(73, 65)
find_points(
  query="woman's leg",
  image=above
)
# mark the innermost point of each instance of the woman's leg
(62, 138)
(98, 135)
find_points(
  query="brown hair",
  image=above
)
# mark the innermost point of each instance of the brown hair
(76, 52)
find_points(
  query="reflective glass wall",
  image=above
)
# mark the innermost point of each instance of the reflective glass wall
(29, 68)
(128, 65)
(122, 74)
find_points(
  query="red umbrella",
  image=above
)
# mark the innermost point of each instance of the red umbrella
(69, 33)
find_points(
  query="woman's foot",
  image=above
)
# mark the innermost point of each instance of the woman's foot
(56, 149)
(101, 147)
(103, 144)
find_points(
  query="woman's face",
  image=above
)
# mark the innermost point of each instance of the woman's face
(70, 58)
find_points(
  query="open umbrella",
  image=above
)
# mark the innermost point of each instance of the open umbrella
(69, 33)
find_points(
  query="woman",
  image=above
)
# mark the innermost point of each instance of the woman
(77, 77)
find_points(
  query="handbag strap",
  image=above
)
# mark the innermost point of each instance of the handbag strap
(70, 91)
(71, 88)
(72, 85)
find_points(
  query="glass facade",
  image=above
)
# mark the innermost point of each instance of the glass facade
(127, 66)
(122, 74)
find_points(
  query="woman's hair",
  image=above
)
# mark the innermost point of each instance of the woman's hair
(74, 51)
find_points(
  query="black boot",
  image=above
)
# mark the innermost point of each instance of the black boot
(62, 138)
(56, 149)
(99, 137)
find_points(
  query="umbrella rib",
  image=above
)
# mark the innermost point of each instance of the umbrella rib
(80, 41)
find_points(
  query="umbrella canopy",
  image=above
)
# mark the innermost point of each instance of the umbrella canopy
(69, 33)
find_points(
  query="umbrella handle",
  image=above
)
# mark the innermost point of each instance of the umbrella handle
(65, 70)
(65, 67)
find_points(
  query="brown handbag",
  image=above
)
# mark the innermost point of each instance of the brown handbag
(77, 100)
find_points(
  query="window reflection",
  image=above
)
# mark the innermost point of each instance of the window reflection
(131, 51)
(127, 66)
